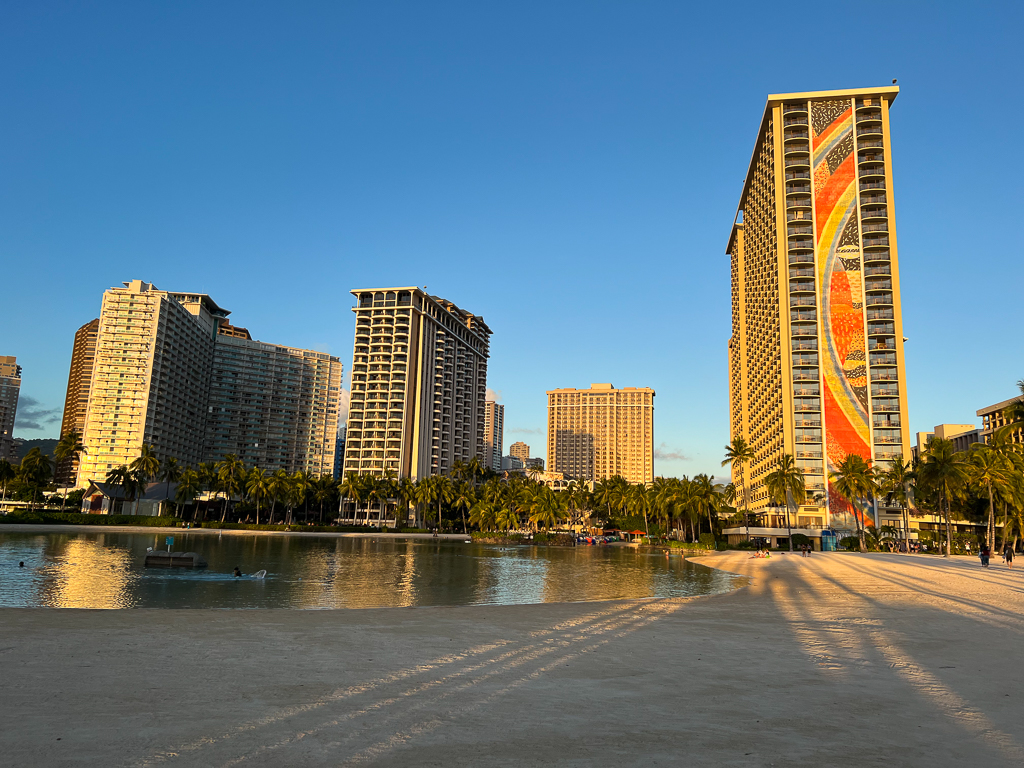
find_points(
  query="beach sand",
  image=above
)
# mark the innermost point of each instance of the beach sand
(833, 660)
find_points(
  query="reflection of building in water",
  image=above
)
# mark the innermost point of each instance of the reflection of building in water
(86, 574)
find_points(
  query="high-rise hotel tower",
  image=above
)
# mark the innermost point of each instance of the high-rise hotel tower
(816, 355)
(419, 384)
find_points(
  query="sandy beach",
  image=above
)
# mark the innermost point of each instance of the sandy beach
(832, 660)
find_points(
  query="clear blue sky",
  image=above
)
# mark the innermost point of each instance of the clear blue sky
(567, 170)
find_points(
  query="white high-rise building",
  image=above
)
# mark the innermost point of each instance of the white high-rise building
(419, 381)
(171, 373)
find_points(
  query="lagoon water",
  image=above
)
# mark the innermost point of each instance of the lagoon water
(105, 570)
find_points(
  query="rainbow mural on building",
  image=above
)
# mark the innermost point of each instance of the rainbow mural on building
(842, 356)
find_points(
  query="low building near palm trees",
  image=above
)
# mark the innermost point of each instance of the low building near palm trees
(108, 499)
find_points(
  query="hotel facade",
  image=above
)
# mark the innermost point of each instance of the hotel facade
(169, 371)
(10, 389)
(816, 364)
(601, 432)
(419, 385)
(494, 434)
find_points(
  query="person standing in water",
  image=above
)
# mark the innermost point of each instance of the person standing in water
(238, 571)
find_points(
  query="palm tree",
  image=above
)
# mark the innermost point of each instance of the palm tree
(230, 476)
(988, 468)
(128, 481)
(146, 466)
(507, 518)
(257, 485)
(7, 474)
(170, 472)
(208, 481)
(351, 487)
(65, 452)
(737, 455)
(323, 490)
(639, 501)
(280, 490)
(897, 483)
(706, 499)
(484, 515)
(463, 497)
(406, 490)
(785, 485)
(300, 487)
(946, 472)
(544, 508)
(34, 472)
(854, 481)
(189, 486)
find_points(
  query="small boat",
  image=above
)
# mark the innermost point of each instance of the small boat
(157, 559)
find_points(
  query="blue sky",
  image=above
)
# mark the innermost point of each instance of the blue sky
(567, 170)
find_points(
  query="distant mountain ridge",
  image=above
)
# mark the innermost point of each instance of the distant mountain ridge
(46, 445)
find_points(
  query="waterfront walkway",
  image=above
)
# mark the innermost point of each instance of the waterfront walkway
(832, 660)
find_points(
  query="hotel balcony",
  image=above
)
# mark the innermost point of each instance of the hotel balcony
(805, 344)
(873, 299)
(886, 343)
(879, 284)
(798, 188)
(799, 229)
(795, 202)
(882, 358)
(796, 173)
(807, 389)
(805, 359)
(873, 213)
(869, 184)
(797, 315)
(883, 389)
(866, 171)
(801, 272)
(884, 374)
(801, 257)
(800, 286)
(882, 269)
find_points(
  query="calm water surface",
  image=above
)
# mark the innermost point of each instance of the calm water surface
(105, 570)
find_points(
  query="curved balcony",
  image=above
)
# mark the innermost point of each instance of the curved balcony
(876, 299)
(798, 188)
(871, 171)
(799, 132)
(801, 272)
(798, 202)
(800, 286)
(802, 257)
(797, 174)
(873, 213)
(866, 114)
(875, 227)
(881, 329)
(878, 284)
(801, 216)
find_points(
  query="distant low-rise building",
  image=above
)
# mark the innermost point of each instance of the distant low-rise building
(961, 435)
(994, 417)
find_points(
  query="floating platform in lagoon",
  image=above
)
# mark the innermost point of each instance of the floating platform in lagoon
(174, 560)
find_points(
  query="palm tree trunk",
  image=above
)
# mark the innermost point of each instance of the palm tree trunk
(991, 519)
(949, 534)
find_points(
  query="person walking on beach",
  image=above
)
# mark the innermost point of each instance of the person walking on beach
(984, 555)
(1008, 555)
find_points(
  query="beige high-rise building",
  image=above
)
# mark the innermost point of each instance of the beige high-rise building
(76, 401)
(150, 380)
(10, 388)
(171, 372)
(601, 432)
(816, 366)
(274, 407)
(494, 439)
(519, 450)
(419, 383)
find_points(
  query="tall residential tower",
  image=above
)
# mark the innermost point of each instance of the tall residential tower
(76, 401)
(601, 432)
(816, 355)
(10, 388)
(494, 437)
(419, 383)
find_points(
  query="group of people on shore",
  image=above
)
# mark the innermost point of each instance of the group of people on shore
(986, 554)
